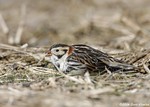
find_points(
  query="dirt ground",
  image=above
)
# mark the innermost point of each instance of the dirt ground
(29, 27)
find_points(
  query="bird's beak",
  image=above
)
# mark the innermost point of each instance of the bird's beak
(48, 53)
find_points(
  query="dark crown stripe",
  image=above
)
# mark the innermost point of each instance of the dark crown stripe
(58, 45)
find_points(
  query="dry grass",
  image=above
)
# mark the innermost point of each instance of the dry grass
(27, 80)
(120, 28)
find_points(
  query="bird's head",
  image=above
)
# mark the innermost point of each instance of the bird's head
(57, 51)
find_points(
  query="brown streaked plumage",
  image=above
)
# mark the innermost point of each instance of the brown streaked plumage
(79, 58)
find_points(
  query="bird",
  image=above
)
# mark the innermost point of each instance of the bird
(78, 59)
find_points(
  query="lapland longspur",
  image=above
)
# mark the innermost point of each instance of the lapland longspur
(79, 58)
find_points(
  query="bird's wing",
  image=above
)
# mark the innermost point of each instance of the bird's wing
(116, 63)
(101, 59)
(96, 59)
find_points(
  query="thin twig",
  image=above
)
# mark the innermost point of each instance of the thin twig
(19, 32)
(3, 25)
(146, 68)
(128, 22)
(72, 78)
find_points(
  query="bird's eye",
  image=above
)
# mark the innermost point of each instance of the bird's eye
(57, 50)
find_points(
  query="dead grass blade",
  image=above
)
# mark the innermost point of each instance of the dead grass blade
(4, 25)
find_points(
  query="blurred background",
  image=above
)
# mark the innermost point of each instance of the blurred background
(115, 26)
(120, 24)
